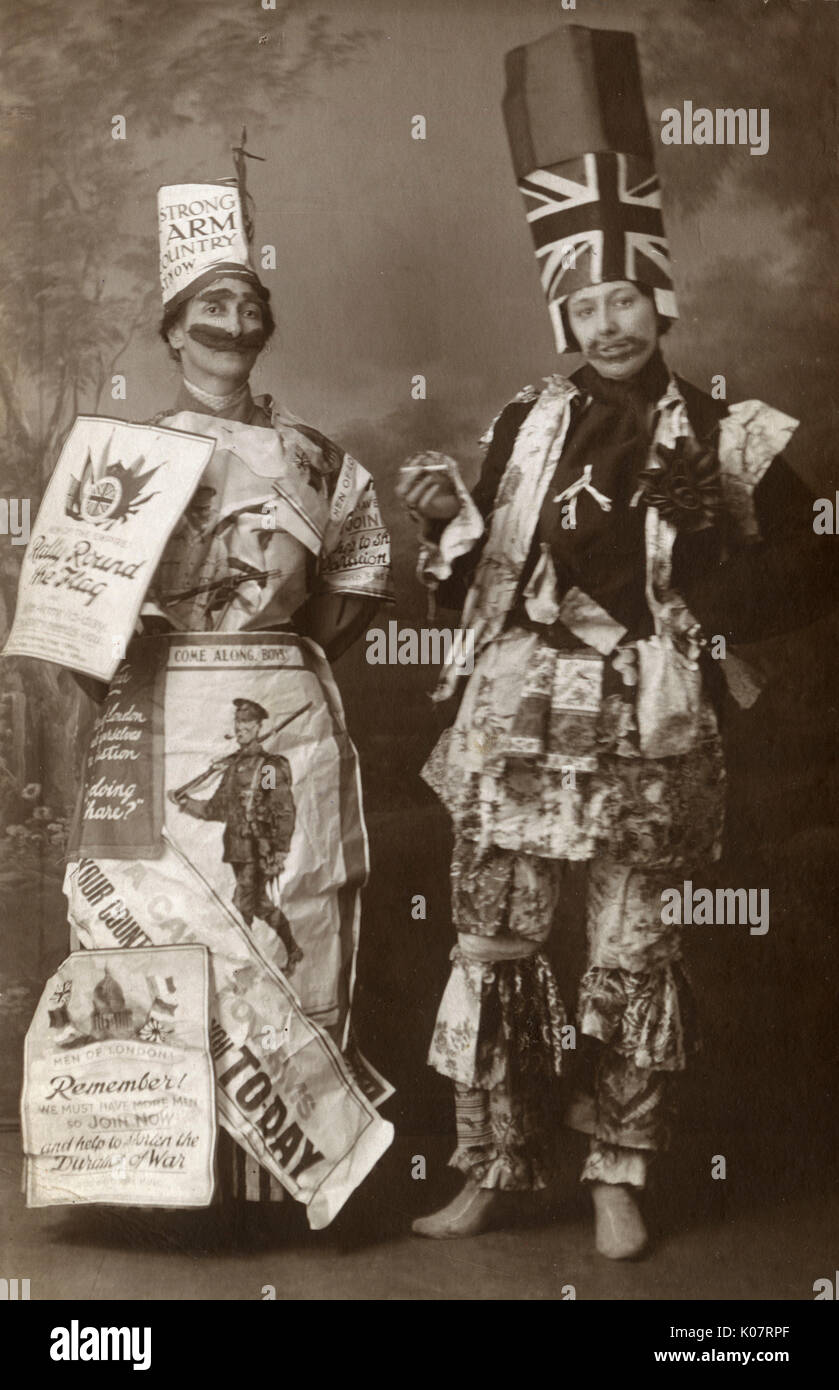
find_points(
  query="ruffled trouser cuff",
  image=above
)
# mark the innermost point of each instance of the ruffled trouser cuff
(614, 1164)
(505, 1052)
(504, 1137)
(499, 1036)
(503, 1036)
(500, 1147)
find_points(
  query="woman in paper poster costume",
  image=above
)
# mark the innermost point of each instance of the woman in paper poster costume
(623, 522)
(277, 564)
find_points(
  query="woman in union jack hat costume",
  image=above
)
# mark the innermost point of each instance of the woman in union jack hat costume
(623, 523)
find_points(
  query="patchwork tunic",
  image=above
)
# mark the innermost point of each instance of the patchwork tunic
(616, 528)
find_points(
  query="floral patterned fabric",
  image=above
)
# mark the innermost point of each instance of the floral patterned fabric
(696, 488)
(635, 995)
(645, 1015)
(501, 1026)
(587, 791)
(504, 1136)
(752, 434)
(608, 752)
(498, 1022)
(619, 1103)
(498, 894)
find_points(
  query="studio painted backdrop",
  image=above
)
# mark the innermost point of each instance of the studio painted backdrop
(399, 257)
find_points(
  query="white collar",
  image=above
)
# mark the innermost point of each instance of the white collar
(217, 402)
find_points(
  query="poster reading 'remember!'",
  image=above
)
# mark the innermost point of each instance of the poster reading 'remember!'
(117, 492)
(118, 1102)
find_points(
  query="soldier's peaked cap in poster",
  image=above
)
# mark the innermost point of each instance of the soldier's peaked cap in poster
(582, 155)
(249, 709)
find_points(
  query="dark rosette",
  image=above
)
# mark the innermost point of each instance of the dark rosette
(683, 484)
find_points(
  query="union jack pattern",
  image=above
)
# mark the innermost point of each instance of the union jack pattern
(595, 219)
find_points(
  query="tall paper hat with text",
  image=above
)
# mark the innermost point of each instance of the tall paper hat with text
(205, 231)
(583, 159)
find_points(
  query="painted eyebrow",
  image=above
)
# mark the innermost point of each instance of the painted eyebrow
(213, 296)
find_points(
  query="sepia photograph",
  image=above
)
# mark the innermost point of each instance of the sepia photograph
(419, 612)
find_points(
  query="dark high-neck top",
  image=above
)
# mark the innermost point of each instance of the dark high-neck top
(610, 433)
(791, 577)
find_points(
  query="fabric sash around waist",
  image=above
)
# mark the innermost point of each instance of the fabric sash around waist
(494, 948)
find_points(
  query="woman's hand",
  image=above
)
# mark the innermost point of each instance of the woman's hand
(427, 489)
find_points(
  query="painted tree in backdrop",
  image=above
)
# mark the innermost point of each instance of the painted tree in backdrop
(80, 280)
(80, 263)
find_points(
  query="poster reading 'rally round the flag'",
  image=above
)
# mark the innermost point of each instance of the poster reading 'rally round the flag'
(117, 493)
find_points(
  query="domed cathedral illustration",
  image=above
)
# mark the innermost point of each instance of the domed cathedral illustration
(110, 1016)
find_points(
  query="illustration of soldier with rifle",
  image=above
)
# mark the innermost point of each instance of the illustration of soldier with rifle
(199, 577)
(254, 800)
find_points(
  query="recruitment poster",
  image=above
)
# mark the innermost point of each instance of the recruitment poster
(116, 493)
(118, 1102)
(419, 594)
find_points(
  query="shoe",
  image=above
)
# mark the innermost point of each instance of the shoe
(295, 955)
(472, 1211)
(620, 1233)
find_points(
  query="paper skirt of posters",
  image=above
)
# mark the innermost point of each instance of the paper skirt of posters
(206, 817)
(118, 1101)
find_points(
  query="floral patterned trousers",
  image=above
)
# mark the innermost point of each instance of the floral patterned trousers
(503, 1035)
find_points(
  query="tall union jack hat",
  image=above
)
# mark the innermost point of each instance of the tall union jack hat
(583, 158)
